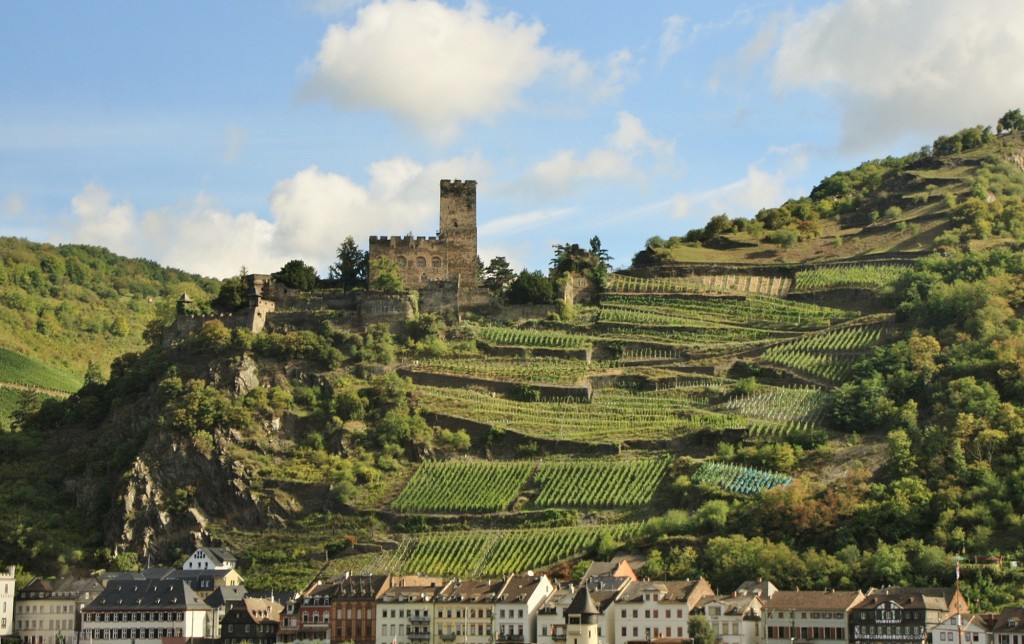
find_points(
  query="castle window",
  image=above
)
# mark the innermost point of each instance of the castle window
(435, 262)
(424, 278)
(402, 262)
(421, 261)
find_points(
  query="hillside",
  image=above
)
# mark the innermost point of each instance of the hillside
(724, 408)
(68, 307)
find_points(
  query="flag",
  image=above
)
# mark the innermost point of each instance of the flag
(958, 570)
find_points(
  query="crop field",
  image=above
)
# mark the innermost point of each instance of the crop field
(879, 276)
(769, 312)
(463, 486)
(536, 370)
(829, 355)
(701, 284)
(612, 416)
(493, 553)
(492, 486)
(550, 339)
(21, 370)
(739, 479)
(598, 483)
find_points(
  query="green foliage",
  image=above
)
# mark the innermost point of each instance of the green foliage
(385, 276)
(700, 630)
(232, 295)
(298, 274)
(530, 288)
(352, 268)
(498, 275)
(1012, 121)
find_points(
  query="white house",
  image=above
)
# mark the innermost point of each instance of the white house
(48, 611)
(7, 602)
(145, 612)
(208, 558)
(516, 607)
(405, 611)
(966, 628)
(649, 610)
(735, 619)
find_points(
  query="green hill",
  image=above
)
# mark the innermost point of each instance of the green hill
(726, 407)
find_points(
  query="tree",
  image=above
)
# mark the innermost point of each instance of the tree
(231, 296)
(498, 275)
(298, 274)
(386, 277)
(530, 288)
(700, 630)
(1011, 121)
(352, 267)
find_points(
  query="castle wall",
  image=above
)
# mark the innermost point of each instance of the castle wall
(450, 256)
(384, 308)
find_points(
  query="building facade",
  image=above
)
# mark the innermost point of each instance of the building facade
(903, 615)
(49, 611)
(805, 616)
(451, 256)
(145, 612)
(253, 620)
(7, 601)
(353, 607)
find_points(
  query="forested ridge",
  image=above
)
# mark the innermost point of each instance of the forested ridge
(826, 395)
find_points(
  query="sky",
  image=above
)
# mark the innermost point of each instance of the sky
(222, 135)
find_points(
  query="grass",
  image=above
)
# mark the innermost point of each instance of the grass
(21, 370)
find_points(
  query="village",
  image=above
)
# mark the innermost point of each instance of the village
(206, 601)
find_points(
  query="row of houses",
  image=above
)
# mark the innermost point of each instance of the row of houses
(206, 601)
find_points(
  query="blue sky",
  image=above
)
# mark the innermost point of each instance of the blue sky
(210, 136)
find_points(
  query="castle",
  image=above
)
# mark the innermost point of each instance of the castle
(450, 257)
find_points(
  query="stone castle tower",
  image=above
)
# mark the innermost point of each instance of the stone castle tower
(449, 257)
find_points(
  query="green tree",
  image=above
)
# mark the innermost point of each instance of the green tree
(498, 275)
(700, 630)
(231, 296)
(352, 267)
(298, 274)
(386, 277)
(530, 288)
(1011, 121)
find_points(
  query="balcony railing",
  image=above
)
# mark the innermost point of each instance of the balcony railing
(419, 619)
(419, 637)
(511, 638)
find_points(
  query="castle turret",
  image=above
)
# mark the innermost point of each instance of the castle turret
(581, 619)
(458, 229)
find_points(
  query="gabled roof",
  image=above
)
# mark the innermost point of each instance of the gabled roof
(825, 600)
(746, 606)
(147, 594)
(938, 599)
(220, 555)
(226, 595)
(1010, 620)
(471, 590)
(257, 610)
(359, 587)
(760, 587)
(614, 568)
(685, 592)
(519, 588)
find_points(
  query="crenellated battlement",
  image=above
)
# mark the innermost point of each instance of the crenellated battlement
(449, 256)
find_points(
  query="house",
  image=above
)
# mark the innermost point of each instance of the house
(603, 591)
(581, 619)
(307, 618)
(254, 620)
(908, 615)
(207, 558)
(145, 612)
(205, 582)
(48, 611)
(353, 607)
(7, 601)
(615, 568)
(735, 619)
(517, 605)
(464, 611)
(1009, 626)
(649, 610)
(967, 628)
(405, 611)
(761, 588)
(799, 616)
(220, 601)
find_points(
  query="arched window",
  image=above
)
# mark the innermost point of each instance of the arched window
(435, 262)
(402, 262)
(421, 261)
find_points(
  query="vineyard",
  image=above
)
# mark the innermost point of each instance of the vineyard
(828, 356)
(460, 486)
(535, 370)
(512, 337)
(771, 312)
(874, 276)
(701, 284)
(491, 486)
(493, 553)
(739, 479)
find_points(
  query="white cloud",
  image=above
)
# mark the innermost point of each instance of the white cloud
(235, 139)
(896, 67)
(671, 37)
(310, 214)
(14, 204)
(433, 65)
(760, 188)
(618, 160)
(521, 222)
